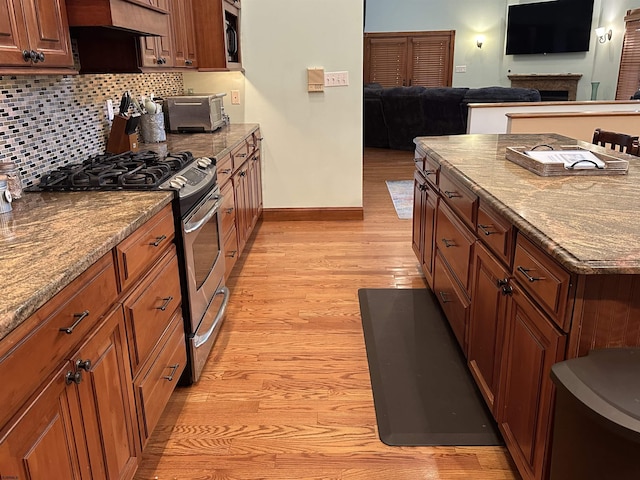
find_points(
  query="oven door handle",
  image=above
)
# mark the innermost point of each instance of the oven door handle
(191, 227)
(200, 340)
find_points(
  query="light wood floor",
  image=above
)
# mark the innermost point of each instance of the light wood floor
(286, 392)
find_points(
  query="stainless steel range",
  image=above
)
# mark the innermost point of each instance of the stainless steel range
(197, 205)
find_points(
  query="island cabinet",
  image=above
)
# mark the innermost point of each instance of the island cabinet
(240, 180)
(35, 36)
(86, 376)
(507, 302)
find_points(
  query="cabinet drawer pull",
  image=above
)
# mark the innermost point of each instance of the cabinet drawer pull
(485, 229)
(525, 272)
(158, 240)
(165, 304)
(243, 173)
(173, 368)
(448, 243)
(73, 377)
(452, 194)
(229, 210)
(79, 317)
(429, 172)
(241, 155)
(226, 171)
(232, 253)
(444, 297)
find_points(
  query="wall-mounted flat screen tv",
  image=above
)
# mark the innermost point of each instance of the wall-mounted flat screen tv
(549, 27)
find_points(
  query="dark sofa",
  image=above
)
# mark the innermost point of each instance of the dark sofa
(394, 116)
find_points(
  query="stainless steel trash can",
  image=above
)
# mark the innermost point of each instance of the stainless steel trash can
(596, 431)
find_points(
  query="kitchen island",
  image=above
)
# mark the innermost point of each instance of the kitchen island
(529, 270)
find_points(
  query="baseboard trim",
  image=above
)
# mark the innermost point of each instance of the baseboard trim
(310, 214)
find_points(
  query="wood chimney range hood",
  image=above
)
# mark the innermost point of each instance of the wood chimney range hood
(134, 17)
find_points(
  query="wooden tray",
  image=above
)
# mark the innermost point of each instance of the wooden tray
(613, 165)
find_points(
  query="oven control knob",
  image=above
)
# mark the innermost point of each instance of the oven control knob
(176, 184)
(203, 162)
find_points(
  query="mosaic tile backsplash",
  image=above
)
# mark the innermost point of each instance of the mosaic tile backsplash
(51, 120)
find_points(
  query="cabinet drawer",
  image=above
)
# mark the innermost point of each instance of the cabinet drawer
(455, 243)
(254, 141)
(150, 307)
(224, 169)
(43, 342)
(154, 387)
(496, 233)
(462, 200)
(452, 300)
(239, 154)
(137, 252)
(418, 160)
(543, 279)
(231, 252)
(228, 209)
(432, 171)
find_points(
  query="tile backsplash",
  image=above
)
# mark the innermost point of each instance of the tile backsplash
(51, 120)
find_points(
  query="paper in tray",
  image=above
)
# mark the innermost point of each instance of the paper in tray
(567, 160)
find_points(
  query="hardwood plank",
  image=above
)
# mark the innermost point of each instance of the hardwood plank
(286, 392)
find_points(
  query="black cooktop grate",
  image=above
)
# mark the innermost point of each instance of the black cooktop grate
(125, 171)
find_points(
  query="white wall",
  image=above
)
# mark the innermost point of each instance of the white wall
(489, 65)
(312, 141)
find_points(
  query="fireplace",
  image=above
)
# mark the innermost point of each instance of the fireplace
(552, 87)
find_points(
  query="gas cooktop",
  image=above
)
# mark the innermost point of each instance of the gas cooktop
(125, 171)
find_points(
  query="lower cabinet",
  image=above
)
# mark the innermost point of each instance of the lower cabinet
(424, 222)
(81, 423)
(240, 179)
(532, 345)
(491, 291)
(88, 375)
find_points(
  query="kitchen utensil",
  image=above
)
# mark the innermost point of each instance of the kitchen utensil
(123, 104)
(150, 106)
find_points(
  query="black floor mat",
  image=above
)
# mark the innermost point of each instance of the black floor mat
(422, 389)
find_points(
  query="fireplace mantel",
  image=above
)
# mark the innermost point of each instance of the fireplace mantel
(556, 82)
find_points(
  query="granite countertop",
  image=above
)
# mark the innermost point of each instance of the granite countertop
(48, 239)
(216, 144)
(588, 223)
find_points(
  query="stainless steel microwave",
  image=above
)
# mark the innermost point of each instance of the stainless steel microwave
(195, 113)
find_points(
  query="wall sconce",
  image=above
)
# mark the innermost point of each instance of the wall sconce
(479, 41)
(603, 35)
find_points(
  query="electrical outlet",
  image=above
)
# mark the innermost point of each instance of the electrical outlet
(235, 97)
(109, 105)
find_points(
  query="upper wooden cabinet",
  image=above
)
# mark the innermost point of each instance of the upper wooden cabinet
(409, 58)
(142, 17)
(34, 35)
(217, 32)
(184, 39)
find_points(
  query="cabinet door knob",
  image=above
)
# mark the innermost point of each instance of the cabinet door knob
(26, 55)
(188, 62)
(83, 365)
(73, 377)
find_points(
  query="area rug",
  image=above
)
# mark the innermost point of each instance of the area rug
(401, 192)
(422, 389)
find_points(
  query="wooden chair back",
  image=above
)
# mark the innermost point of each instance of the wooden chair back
(616, 141)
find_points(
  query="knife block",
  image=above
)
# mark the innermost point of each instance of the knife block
(119, 141)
